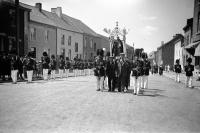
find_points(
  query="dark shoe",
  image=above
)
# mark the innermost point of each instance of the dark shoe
(98, 90)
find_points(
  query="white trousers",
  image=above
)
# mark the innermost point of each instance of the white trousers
(100, 81)
(53, 74)
(61, 73)
(30, 75)
(189, 81)
(136, 84)
(45, 74)
(75, 72)
(144, 81)
(67, 72)
(14, 75)
(177, 77)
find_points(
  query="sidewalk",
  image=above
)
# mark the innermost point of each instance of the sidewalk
(171, 75)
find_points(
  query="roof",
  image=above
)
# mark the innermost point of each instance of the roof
(102, 36)
(37, 16)
(60, 22)
(80, 25)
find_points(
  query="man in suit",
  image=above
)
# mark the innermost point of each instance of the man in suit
(122, 72)
(110, 73)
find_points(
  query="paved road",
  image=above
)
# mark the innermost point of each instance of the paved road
(73, 105)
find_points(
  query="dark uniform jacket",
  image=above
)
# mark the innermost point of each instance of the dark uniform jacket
(189, 70)
(99, 67)
(62, 64)
(135, 71)
(177, 68)
(146, 67)
(45, 62)
(53, 64)
(140, 67)
(30, 63)
(67, 65)
(14, 65)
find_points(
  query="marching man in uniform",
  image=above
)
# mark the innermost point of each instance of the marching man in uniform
(189, 68)
(177, 68)
(146, 68)
(99, 70)
(136, 84)
(53, 67)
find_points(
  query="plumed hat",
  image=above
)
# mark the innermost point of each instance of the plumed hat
(177, 61)
(189, 60)
(44, 53)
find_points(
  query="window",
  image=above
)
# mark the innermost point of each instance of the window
(49, 52)
(91, 55)
(95, 46)
(69, 54)
(33, 50)
(91, 43)
(69, 40)
(85, 42)
(198, 24)
(63, 40)
(62, 52)
(46, 35)
(76, 47)
(33, 33)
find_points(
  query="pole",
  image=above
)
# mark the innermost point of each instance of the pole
(17, 25)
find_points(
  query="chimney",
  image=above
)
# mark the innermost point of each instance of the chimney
(162, 43)
(38, 6)
(57, 11)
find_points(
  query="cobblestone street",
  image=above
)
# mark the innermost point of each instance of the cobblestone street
(74, 105)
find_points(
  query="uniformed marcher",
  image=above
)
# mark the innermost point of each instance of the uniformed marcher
(161, 68)
(30, 63)
(135, 75)
(177, 70)
(53, 67)
(189, 68)
(61, 66)
(99, 70)
(146, 68)
(67, 67)
(14, 69)
(45, 65)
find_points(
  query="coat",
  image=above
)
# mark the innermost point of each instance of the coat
(189, 70)
(177, 68)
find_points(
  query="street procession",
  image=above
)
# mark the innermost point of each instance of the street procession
(99, 66)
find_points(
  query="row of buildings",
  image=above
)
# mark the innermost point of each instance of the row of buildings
(38, 30)
(181, 46)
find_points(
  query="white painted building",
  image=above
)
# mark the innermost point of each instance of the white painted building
(178, 52)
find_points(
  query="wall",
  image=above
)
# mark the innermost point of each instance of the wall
(40, 44)
(75, 37)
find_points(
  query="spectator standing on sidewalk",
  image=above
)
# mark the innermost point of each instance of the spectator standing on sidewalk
(177, 70)
(189, 68)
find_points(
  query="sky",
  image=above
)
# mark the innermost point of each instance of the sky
(148, 21)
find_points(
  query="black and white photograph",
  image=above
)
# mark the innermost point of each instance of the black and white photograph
(99, 66)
